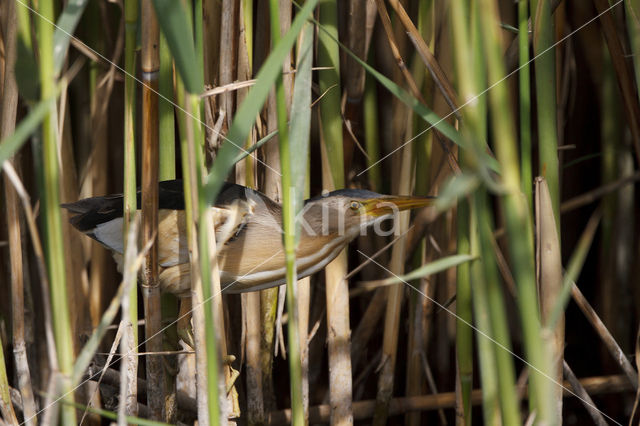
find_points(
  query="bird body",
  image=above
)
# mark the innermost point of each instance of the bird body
(248, 230)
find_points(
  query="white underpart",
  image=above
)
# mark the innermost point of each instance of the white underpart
(110, 234)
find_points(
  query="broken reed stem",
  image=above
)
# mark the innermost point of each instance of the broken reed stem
(549, 273)
(150, 65)
(545, 75)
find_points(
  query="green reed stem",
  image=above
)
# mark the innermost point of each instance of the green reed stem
(525, 101)
(518, 222)
(329, 81)
(167, 153)
(498, 316)
(288, 219)
(464, 333)
(545, 66)
(51, 208)
(130, 187)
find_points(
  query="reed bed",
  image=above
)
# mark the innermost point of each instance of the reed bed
(512, 300)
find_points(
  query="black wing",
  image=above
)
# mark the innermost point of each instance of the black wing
(90, 212)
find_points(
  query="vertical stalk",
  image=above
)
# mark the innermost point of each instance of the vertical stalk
(549, 271)
(227, 28)
(272, 187)
(51, 209)
(340, 381)
(6, 407)
(464, 300)
(167, 171)
(545, 66)
(209, 407)
(216, 341)
(518, 223)
(130, 199)
(167, 142)
(464, 333)
(499, 329)
(8, 109)
(486, 348)
(288, 219)
(401, 183)
(633, 28)
(372, 142)
(150, 65)
(245, 175)
(211, 293)
(329, 82)
(525, 100)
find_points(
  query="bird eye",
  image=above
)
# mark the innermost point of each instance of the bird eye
(354, 205)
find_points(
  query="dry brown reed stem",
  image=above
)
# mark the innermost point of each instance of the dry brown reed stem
(96, 177)
(549, 274)
(367, 326)
(612, 346)
(150, 65)
(255, 399)
(303, 298)
(597, 193)
(128, 395)
(76, 275)
(362, 410)
(338, 325)
(393, 44)
(625, 76)
(585, 398)
(211, 40)
(272, 188)
(96, 182)
(36, 242)
(356, 42)
(401, 184)
(228, 23)
(110, 376)
(428, 58)
(14, 225)
(245, 175)
(50, 345)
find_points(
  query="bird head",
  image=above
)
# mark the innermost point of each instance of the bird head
(349, 212)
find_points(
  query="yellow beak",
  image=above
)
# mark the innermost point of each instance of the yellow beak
(392, 204)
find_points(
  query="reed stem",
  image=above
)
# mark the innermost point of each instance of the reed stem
(52, 215)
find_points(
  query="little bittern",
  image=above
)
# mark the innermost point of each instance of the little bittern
(248, 229)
